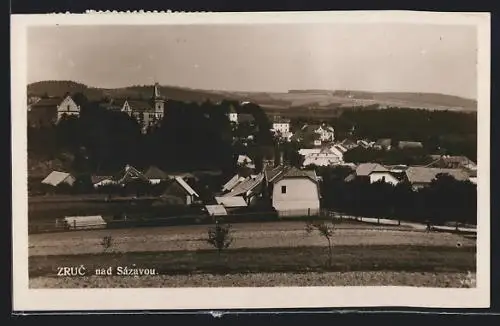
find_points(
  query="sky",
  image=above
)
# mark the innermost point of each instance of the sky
(267, 58)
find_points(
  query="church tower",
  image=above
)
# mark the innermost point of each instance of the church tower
(158, 102)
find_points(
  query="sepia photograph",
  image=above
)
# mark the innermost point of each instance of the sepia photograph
(219, 151)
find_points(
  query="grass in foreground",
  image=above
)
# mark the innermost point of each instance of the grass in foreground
(426, 279)
(271, 260)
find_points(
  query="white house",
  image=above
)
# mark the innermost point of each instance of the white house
(232, 114)
(326, 133)
(374, 172)
(296, 193)
(244, 160)
(281, 125)
(67, 107)
(326, 157)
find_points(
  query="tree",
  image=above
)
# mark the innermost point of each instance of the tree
(219, 236)
(326, 231)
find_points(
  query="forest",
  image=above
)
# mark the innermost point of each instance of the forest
(190, 137)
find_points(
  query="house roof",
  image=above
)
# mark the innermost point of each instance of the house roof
(130, 173)
(155, 173)
(365, 169)
(271, 173)
(235, 180)
(140, 105)
(247, 185)
(98, 178)
(243, 158)
(278, 119)
(216, 210)
(230, 202)
(55, 178)
(186, 187)
(293, 172)
(418, 174)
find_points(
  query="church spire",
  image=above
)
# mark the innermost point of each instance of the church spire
(156, 94)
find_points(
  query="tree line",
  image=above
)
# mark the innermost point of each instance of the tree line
(444, 200)
(190, 136)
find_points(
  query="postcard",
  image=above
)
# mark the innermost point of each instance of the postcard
(250, 160)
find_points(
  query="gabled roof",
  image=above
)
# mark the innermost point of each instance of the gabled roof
(55, 178)
(365, 169)
(130, 173)
(293, 172)
(271, 173)
(248, 185)
(235, 180)
(231, 202)
(216, 210)
(140, 105)
(418, 174)
(98, 178)
(278, 119)
(186, 187)
(155, 173)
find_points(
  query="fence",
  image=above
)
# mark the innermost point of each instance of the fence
(58, 224)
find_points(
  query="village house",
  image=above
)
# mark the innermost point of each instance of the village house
(383, 144)
(48, 111)
(101, 180)
(56, 178)
(374, 172)
(250, 188)
(232, 115)
(294, 192)
(348, 144)
(180, 192)
(129, 174)
(245, 161)
(420, 176)
(146, 112)
(325, 157)
(452, 162)
(281, 125)
(155, 175)
(326, 133)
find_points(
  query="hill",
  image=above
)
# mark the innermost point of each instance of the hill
(330, 100)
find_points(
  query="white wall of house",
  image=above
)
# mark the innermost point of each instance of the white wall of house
(384, 176)
(282, 127)
(295, 194)
(233, 117)
(67, 107)
(325, 134)
(322, 159)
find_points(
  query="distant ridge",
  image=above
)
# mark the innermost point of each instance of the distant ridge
(313, 98)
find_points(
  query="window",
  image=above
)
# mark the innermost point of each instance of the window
(68, 107)
(283, 189)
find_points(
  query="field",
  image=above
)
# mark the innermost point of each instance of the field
(262, 254)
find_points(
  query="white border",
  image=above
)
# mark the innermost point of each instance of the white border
(25, 299)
